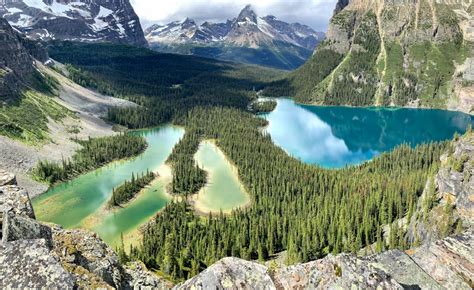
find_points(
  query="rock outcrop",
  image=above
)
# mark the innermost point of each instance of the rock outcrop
(447, 203)
(37, 255)
(84, 20)
(446, 264)
(15, 62)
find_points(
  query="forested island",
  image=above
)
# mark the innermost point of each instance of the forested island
(94, 153)
(127, 191)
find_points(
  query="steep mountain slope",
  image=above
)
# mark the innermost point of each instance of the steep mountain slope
(247, 38)
(394, 53)
(89, 21)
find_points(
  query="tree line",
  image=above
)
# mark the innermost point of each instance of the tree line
(129, 189)
(94, 153)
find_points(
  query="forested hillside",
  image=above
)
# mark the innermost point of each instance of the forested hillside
(390, 53)
(165, 85)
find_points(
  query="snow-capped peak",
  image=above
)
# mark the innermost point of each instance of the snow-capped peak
(247, 29)
(78, 20)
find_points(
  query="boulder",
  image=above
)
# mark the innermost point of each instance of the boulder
(231, 273)
(87, 257)
(30, 264)
(16, 227)
(7, 178)
(16, 200)
(138, 277)
(449, 261)
(335, 272)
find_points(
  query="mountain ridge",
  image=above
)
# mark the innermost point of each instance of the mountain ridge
(81, 20)
(247, 38)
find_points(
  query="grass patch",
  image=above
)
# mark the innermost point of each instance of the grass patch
(27, 118)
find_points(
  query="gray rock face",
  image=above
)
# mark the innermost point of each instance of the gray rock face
(231, 273)
(7, 178)
(29, 264)
(333, 272)
(405, 270)
(449, 261)
(20, 228)
(83, 20)
(81, 250)
(15, 62)
(16, 200)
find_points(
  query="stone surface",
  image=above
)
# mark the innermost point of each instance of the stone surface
(16, 227)
(449, 261)
(13, 198)
(7, 178)
(403, 269)
(138, 277)
(335, 272)
(231, 273)
(81, 250)
(30, 264)
(36, 255)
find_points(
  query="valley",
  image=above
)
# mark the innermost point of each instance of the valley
(137, 168)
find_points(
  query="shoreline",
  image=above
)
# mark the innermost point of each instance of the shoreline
(193, 199)
(133, 236)
(373, 107)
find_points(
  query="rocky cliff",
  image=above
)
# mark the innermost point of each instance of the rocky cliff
(89, 21)
(393, 53)
(15, 62)
(38, 255)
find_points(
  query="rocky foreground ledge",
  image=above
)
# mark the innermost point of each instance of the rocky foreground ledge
(446, 264)
(38, 255)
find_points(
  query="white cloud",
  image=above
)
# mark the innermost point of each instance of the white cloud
(315, 13)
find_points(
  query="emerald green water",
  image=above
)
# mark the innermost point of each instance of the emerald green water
(78, 203)
(224, 191)
(334, 137)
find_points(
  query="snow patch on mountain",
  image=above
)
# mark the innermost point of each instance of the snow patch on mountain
(77, 20)
(247, 30)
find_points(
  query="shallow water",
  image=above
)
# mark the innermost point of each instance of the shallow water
(224, 190)
(71, 203)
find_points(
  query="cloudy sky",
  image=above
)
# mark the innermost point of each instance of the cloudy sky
(315, 13)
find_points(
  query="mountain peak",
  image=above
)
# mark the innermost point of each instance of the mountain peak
(247, 14)
(188, 23)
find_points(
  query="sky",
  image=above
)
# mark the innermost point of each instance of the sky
(314, 13)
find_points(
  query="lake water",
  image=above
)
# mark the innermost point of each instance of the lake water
(224, 192)
(334, 137)
(79, 203)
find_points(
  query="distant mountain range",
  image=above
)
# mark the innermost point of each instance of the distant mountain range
(247, 38)
(75, 20)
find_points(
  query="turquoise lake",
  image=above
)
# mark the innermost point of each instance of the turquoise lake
(334, 137)
(78, 203)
